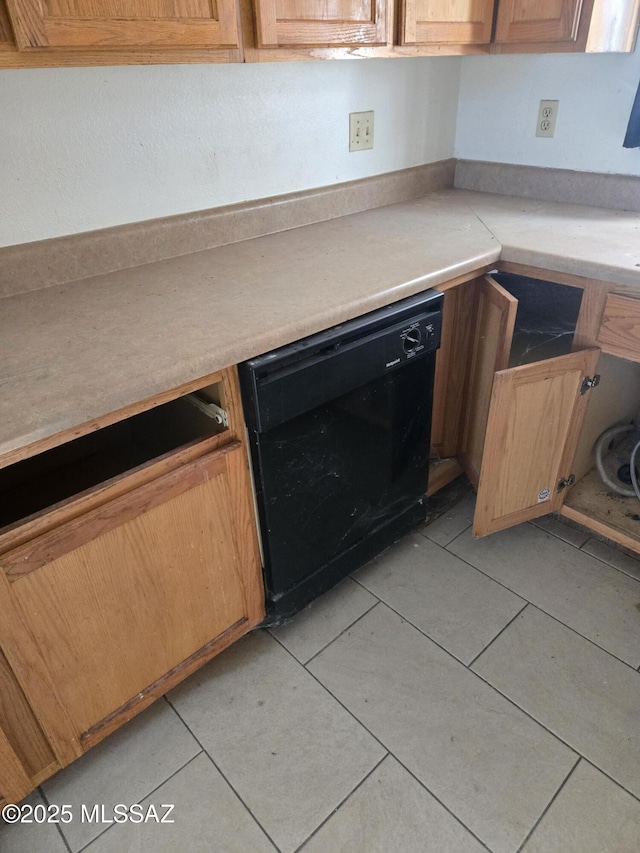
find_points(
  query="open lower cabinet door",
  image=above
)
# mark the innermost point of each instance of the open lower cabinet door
(535, 416)
(495, 311)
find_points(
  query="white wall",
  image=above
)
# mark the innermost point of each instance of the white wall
(87, 148)
(499, 99)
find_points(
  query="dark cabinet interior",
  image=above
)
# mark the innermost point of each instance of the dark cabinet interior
(64, 472)
(546, 318)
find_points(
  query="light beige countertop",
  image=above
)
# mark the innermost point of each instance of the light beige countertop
(587, 241)
(75, 352)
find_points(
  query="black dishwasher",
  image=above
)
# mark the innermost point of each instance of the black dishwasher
(339, 429)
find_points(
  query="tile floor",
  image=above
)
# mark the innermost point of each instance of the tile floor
(454, 695)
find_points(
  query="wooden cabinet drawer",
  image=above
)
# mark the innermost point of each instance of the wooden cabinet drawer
(620, 330)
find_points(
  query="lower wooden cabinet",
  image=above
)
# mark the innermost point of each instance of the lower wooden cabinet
(23, 743)
(620, 330)
(534, 421)
(520, 409)
(526, 391)
(14, 781)
(495, 314)
(152, 573)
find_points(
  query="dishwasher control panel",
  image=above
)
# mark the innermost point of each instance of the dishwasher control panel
(417, 336)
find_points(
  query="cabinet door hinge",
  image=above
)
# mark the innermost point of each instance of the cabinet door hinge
(563, 484)
(589, 382)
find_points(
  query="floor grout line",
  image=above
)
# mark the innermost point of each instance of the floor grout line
(326, 645)
(549, 804)
(446, 545)
(435, 642)
(553, 516)
(590, 535)
(58, 826)
(224, 776)
(489, 684)
(580, 757)
(484, 680)
(555, 734)
(610, 778)
(341, 803)
(499, 634)
(606, 563)
(440, 802)
(111, 826)
(383, 745)
(542, 610)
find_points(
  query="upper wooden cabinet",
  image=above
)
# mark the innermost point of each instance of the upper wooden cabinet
(116, 23)
(74, 32)
(307, 23)
(565, 25)
(446, 21)
(544, 20)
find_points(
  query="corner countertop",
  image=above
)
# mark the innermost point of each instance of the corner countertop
(73, 353)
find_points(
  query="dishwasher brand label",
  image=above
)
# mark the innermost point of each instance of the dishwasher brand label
(392, 363)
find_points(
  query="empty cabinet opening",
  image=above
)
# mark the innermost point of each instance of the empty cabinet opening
(63, 472)
(615, 402)
(546, 318)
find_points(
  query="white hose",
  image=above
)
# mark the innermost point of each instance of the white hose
(602, 446)
(632, 466)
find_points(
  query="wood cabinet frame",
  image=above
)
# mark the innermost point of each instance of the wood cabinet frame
(162, 50)
(272, 31)
(34, 29)
(418, 31)
(454, 434)
(534, 420)
(494, 319)
(563, 28)
(590, 26)
(397, 32)
(14, 782)
(48, 632)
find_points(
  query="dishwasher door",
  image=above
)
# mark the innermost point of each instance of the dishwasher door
(340, 440)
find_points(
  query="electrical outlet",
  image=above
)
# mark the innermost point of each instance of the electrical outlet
(547, 117)
(360, 131)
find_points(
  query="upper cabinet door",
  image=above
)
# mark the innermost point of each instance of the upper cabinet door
(118, 23)
(330, 23)
(534, 422)
(538, 20)
(446, 21)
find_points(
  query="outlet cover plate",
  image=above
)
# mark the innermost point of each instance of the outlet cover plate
(360, 131)
(547, 117)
